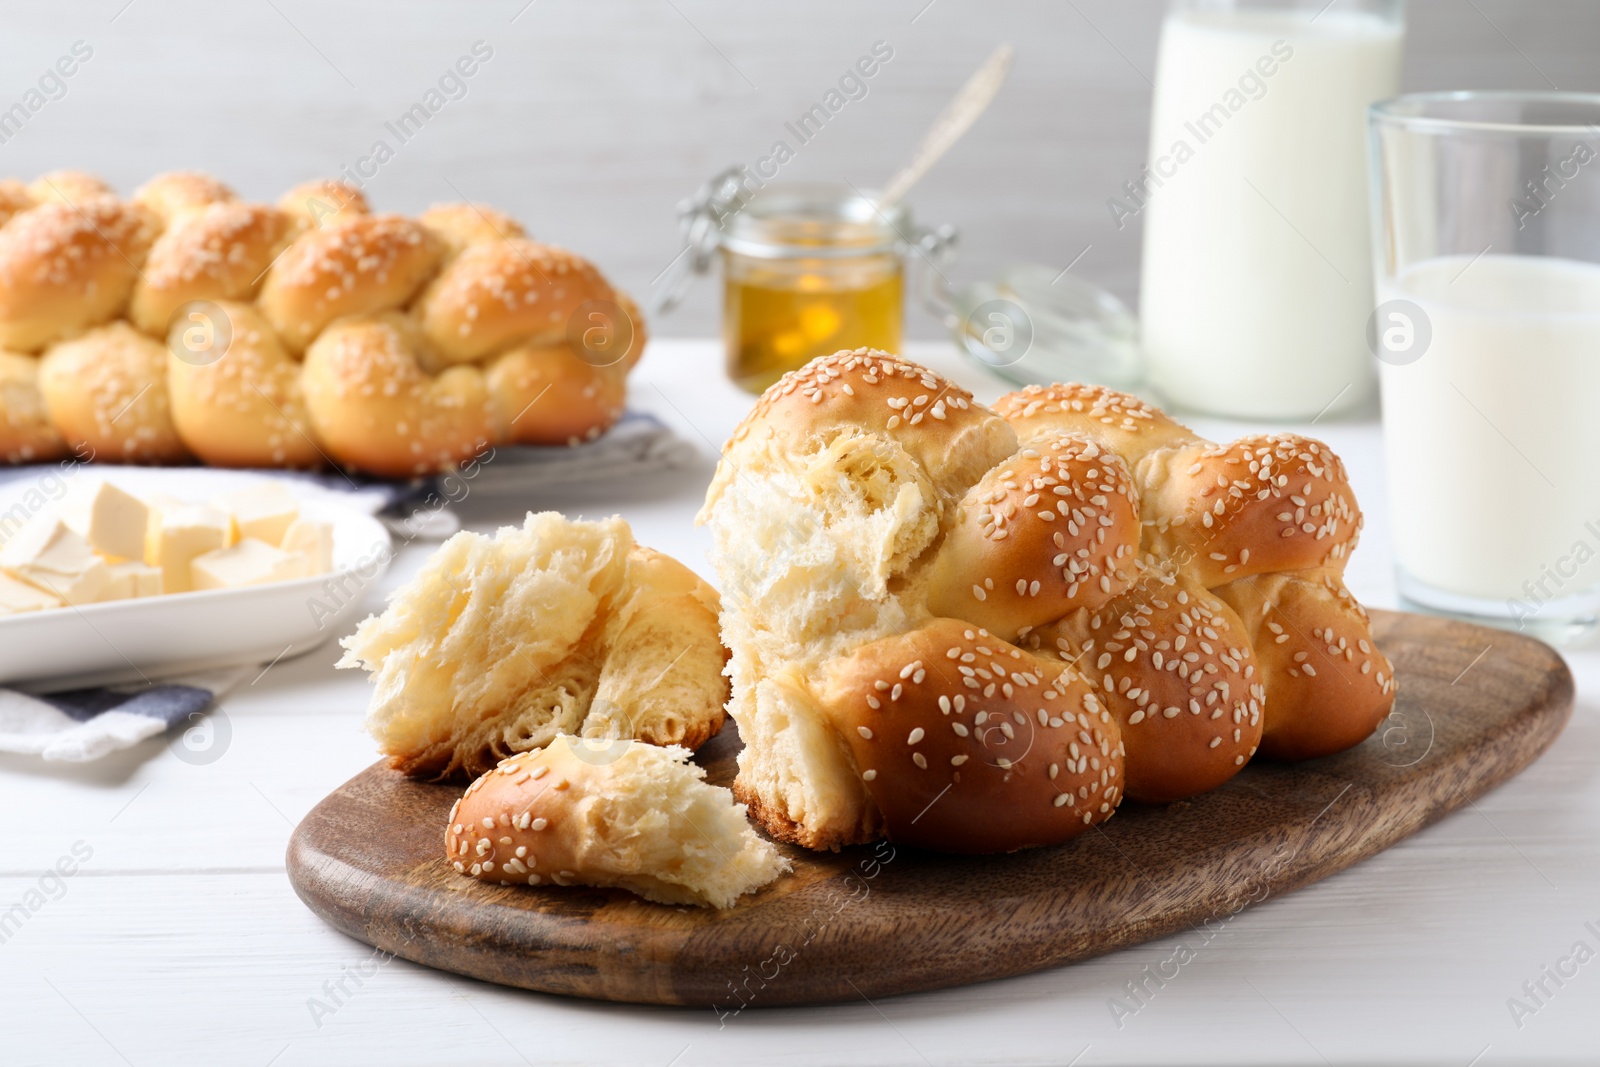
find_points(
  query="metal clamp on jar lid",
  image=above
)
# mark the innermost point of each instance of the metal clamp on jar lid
(808, 269)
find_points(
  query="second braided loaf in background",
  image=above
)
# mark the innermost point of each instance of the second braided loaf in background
(185, 323)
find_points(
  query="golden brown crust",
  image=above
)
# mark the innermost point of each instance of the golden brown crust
(246, 407)
(518, 823)
(1267, 515)
(26, 433)
(177, 192)
(1259, 505)
(950, 727)
(1051, 530)
(1197, 586)
(220, 251)
(65, 267)
(777, 825)
(1176, 667)
(106, 392)
(322, 202)
(868, 391)
(640, 329)
(374, 408)
(1122, 422)
(73, 257)
(632, 816)
(459, 225)
(502, 293)
(14, 199)
(1328, 686)
(68, 187)
(548, 396)
(361, 265)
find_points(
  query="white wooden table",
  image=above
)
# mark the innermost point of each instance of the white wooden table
(180, 941)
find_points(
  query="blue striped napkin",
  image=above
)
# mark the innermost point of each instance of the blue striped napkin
(78, 725)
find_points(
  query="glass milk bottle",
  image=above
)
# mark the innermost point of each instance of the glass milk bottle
(1257, 278)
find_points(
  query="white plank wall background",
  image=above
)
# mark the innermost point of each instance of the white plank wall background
(591, 120)
(180, 941)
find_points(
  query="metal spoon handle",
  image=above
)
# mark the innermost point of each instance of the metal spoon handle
(956, 119)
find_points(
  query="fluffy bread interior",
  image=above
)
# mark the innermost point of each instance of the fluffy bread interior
(815, 545)
(823, 547)
(501, 643)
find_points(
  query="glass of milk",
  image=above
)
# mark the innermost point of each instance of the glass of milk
(1486, 224)
(1257, 278)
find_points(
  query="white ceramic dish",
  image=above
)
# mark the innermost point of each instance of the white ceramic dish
(126, 641)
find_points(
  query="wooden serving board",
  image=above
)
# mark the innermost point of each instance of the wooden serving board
(1475, 707)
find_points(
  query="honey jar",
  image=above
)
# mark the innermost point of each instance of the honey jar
(808, 270)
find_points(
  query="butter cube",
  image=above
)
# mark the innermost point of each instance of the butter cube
(131, 579)
(158, 504)
(263, 512)
(312, 541)
(47, 554)
(113, 521)
(182, 532)
(250, 562)
(18, 597)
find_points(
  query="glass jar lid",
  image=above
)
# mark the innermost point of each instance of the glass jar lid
(813, 220)
(738, 213)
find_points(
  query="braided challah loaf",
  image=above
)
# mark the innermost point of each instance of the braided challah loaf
(26, 433)
(185, 323)
(978, 630)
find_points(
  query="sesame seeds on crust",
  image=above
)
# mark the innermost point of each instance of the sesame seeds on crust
(867, 388)
(498, 846)
(1177, 668)
(1109, 542)
(1121, 410)
(1054, 528)
(955, 720)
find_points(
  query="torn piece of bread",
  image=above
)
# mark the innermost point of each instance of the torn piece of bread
(610, 813)
(501, 643)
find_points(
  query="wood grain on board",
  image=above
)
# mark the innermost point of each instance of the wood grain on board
(880, 920)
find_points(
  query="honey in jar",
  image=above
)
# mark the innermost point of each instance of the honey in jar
(808, 270)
